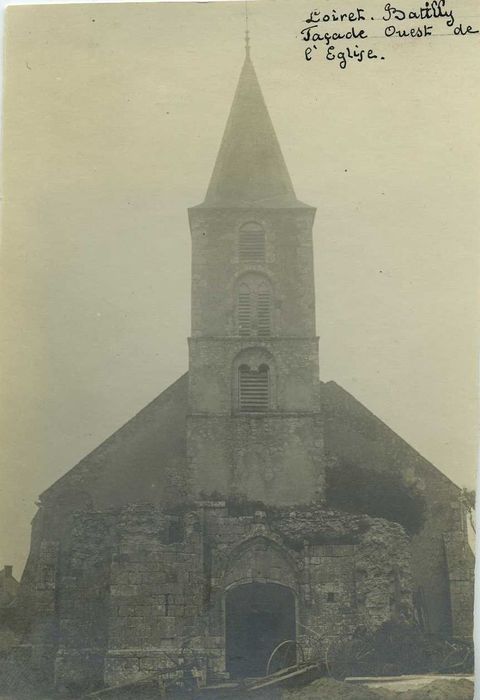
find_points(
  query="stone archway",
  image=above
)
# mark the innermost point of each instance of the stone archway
(260, 559)
(258, 617)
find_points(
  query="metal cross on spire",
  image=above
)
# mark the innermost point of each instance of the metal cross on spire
(247, 33)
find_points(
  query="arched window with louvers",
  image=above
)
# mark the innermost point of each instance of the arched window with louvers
(254, 306)
(251, 243)
(253, 388)
(254, 381)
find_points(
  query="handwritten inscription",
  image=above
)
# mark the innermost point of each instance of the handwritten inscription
(343, 37)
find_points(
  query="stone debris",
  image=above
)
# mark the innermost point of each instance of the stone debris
(328, 689)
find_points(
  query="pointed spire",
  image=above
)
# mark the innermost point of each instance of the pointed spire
(250, 169)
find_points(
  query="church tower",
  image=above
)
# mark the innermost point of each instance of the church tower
(254, 423)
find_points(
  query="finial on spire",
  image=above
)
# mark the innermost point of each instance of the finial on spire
(247, 33)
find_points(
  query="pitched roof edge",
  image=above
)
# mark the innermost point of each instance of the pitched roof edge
(258, 204)
(426, 462)
(53, 487)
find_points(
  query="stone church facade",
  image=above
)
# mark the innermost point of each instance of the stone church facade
(200, 530)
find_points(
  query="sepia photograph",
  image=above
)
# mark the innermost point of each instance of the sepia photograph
(239, 393)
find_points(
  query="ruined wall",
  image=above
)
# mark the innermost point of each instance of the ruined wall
(146, 460)
(82, 600)
(460, 566)
(354, 434)
(344, 570)
(356, 571)
(157, 591)
(136, 590)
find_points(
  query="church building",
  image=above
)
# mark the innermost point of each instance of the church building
(201, 529)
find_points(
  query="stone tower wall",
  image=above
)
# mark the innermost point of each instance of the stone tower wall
(274, 459)
(275, 456)
(216, 268)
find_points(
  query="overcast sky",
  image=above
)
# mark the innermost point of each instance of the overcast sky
(113, 118)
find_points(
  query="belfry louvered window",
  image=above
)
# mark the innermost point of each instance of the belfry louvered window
(263, 311)
(253, 389)
(252, 243)
(254, 306)
(244, 310)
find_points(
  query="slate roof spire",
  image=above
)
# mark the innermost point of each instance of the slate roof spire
(250, 169)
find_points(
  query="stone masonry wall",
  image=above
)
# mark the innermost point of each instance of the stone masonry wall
(346, 571)
(354, 434)
(216, 267)
(460, 566)
(231, 451)
(252, 455)
(157, 591)
(82, 594)
(294, 372)
(139, 590)
(356, 572)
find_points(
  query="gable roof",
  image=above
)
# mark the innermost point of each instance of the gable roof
(354, 433)
(145, 460)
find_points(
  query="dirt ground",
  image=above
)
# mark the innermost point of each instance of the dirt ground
(328, 689)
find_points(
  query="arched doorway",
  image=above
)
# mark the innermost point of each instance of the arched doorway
(259, 616)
